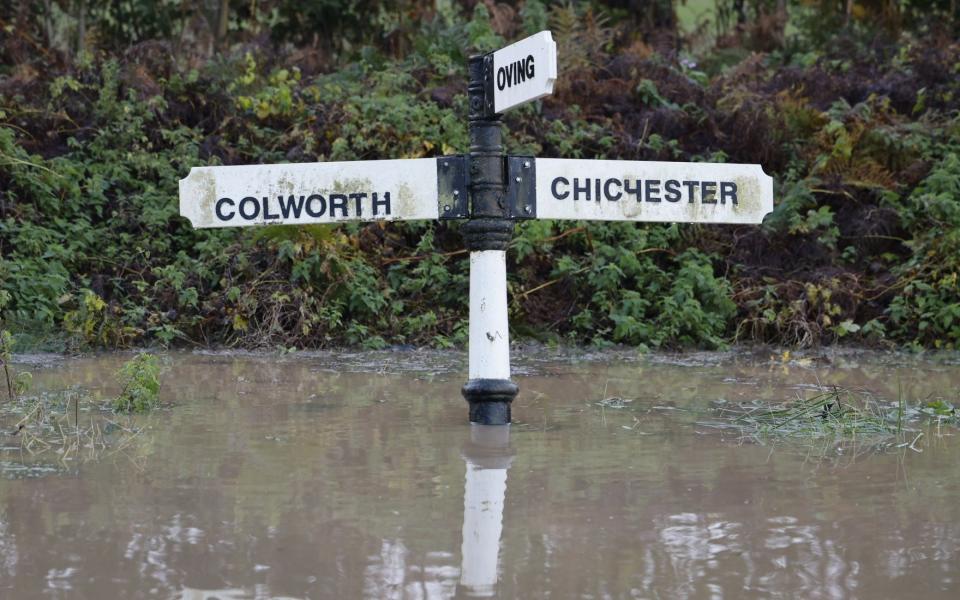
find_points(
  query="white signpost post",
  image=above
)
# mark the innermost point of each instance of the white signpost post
(487, 188)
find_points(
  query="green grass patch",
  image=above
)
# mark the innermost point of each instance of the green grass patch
(835, 415)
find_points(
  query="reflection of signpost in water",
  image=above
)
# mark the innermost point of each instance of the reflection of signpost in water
(487, 188)
(488, 456)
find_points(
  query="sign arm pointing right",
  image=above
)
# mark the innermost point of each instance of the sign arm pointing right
(520, 73)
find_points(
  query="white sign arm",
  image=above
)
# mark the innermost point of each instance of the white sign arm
(666, 192)
(304, 193)
(524, 71)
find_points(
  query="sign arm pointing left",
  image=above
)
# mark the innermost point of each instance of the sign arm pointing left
(333, 192)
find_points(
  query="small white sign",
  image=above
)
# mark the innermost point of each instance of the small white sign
(524, 71)
(302, 193)
(621, 190)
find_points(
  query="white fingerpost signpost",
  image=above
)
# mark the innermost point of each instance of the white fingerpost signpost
(490, 191)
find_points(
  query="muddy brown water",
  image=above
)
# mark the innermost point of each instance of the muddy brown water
(350, 475)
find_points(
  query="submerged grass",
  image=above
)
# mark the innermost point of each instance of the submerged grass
(74, 426)
(836, 416)
(834, 412)
(70, 426)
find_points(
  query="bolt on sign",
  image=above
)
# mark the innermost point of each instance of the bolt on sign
(490, 191)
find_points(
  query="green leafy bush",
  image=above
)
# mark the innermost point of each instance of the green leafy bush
(926, 310)
(140, 381)
(860, 139)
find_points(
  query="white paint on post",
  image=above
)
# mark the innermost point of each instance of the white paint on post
(666, 192)
(304, 193)
(489, 329)
(524, 71)
(483, 497)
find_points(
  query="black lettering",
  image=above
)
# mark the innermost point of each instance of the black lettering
(672, 190)
(323, 206)
(553, 188)
(577, 188)
(267, 215)
(521, 70)
(653, 187)
(708, 192)
(530, 70)
(728, 191)
(384, 203)
(691, 186)
(357, 198)
(338, 201)
(597, 195)
(291, 206)
(256, 208)
(632, 190)
(501, 78)
(219, 209)
(606, 190)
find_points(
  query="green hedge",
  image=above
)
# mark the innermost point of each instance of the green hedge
(862, 140)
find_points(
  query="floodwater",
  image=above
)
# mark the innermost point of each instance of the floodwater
(339, 475)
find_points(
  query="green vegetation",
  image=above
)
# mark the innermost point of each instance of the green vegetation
(103, 109)
(17, 383)
(836, 415)
(140, 378)
(74, 424)
(66, 425)
(833, 413)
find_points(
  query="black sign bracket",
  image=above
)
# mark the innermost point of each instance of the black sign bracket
(522, 187)
(453, 181)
